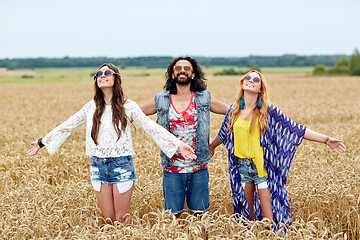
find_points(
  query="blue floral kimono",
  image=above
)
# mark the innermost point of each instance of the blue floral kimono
(279, 143)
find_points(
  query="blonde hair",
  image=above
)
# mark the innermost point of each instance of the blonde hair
(257, 113)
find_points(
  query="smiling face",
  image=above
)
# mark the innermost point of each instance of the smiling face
(183, 72)
(251, 85)
(105, 80)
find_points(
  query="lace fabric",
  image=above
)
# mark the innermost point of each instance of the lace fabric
(108, 143)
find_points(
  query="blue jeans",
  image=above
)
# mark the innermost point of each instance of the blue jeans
(112, 170)
(248, 171)
(194, 187)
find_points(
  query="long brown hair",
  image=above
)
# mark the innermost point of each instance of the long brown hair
(117, 104)
(257, 113)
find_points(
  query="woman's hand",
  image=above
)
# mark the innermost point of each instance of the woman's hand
(187, 152)
(34, 149)
(336, 145)
(216, 142)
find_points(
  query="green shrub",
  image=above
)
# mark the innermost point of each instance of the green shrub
(341, 70)
(27, 76)
(319, 70)
(229, 71)
(342, 62)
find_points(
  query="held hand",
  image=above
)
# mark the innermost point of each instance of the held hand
(34, 149)
(187, 152)
(336, 145)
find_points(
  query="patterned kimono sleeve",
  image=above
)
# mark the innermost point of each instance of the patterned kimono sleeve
(58, 135)
(167, 142)
(282, 134)
(279, 143)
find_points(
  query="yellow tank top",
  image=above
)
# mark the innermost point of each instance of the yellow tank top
(248, 146)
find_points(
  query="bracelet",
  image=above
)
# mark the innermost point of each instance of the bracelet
(327, 139)
(40, 143)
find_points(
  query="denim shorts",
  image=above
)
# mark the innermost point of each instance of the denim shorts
(112, 169)
(248, 171)
(194, 187)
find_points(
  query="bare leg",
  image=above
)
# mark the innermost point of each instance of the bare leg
(106, 202)
(249, 195)
(122, 204)
(265, 199)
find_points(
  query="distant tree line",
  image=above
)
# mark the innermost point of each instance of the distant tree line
(232, 71)
(288, 60)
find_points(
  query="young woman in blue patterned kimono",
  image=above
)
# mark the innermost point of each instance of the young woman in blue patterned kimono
(261, 143)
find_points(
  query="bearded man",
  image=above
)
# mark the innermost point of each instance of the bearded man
(184, 110)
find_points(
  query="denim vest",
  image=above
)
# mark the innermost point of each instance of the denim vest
(202, 101)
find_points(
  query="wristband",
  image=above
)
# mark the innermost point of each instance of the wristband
(40, 143)
(327, 139)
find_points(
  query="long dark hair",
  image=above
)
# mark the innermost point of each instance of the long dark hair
(196, 84)
(117, 104)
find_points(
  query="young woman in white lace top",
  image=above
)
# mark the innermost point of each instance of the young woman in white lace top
(109, 142)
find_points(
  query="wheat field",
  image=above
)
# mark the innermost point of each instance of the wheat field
(51, 197)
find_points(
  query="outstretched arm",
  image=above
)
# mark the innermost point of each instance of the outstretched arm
(58, 135)
(334, 143)
(222, 135)
(149, 108)
(217, 106)
(35, 148)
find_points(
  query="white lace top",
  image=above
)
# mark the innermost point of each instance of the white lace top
(108, 145)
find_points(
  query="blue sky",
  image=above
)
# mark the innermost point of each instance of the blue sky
(118, 28)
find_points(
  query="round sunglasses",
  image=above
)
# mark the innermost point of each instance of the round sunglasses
(186, 68)
(107, 73)
(255, 79)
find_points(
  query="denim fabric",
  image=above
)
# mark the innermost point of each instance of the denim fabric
(112, 170)
(202, 101)
(248, 171)
(194, 187)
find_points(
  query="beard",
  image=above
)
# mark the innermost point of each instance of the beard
(185, 81)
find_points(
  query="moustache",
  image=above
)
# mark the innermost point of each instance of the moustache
(182, 73)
